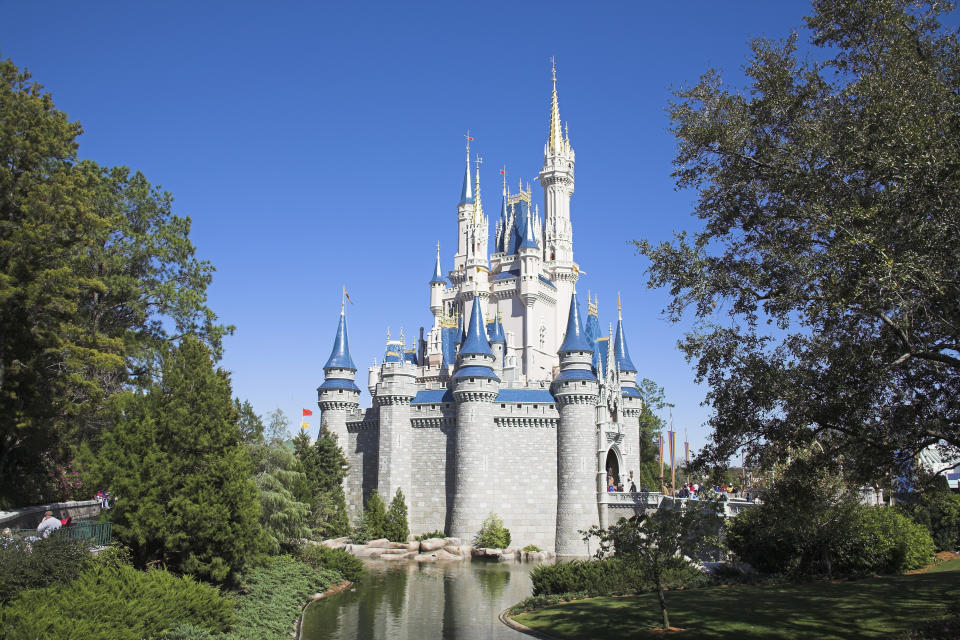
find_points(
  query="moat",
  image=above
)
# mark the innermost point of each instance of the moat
(455, 600)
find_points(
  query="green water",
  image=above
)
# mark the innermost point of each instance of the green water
(405, 601)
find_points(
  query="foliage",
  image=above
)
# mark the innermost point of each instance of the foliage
(538, 602)
(115, 603)
(492, 535)
(811, 522)
(654, 543)
(590, 577)
(373, 526)
(532, 548)
(185, 495)
(325, 467)
(937, 509)
(97, 275)
(431, 534)
(278, 427)
(828, 195)
(251, 426)
(321, 557)
(40, 563)
(396, 529)
(278, 476)
(272, 596)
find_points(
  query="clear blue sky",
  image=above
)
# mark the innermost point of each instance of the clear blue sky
(316, 144)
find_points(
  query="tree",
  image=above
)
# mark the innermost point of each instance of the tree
(651, 424)
(655, 542)
(374, 523)
(397, 528)
(826, 274)
(251, 426)
(492, 535)
(183, 481)
(97, 276)
(278, 476)
(278, 427)
(325, 467)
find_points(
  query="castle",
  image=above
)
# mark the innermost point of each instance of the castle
(511, 402)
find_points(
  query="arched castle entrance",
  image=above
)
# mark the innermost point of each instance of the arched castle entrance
(613, 467)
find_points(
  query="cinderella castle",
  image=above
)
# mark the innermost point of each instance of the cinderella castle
(512, 401)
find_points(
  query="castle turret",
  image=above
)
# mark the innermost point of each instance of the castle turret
(396, 389)
(632, 403)
(437, 285)
(529, 252)
(465, 210)
(498, 344)
(575, 389)
(475, 388)
(339, 393)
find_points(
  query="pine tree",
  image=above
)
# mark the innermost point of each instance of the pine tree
(279, 477)
(374, 525)
(397, 529)
(183, 481)
(324, 466)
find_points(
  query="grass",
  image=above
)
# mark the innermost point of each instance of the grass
(867, 608)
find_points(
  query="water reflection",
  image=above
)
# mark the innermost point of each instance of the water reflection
(410, 602)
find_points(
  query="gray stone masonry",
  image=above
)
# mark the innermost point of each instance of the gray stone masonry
(394, 393)
(475, 487)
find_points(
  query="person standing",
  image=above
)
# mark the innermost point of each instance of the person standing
(48, 524)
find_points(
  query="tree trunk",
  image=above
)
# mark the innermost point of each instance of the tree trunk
(663, 604)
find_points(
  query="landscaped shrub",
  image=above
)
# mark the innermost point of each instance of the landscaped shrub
(532, 548)
(938, 510)
(272, 597)
(396, 528)
(596, 577)
(862, 539)
(492, 535)
(374, 523)
(115, 603)
(320, 557)
(40, 563)
(431, 534)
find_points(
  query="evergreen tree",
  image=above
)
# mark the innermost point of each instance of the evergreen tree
(97, 276)
(374, 525)
(279, 479)
(325, 467)
(397, 528)
(183, 481)
(251, 426)
(651, 424)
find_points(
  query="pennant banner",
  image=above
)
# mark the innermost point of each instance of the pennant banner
(307, 412)
(304, 425)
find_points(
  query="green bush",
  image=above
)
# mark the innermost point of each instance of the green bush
(492, 535)
(374, 523)
(862, 539)
(610, 576)
(938, 510)
(431, 534)
(272, 596)
(396, 528)
(115, 603)
(532, 547)
(320, 557)
(40, 563)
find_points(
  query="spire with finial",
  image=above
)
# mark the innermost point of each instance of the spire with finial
(437, 272)
(478, 205)
(529, 237)
(340, 354)
(620, 350)
(466, 193)
(555, 139)
(576, 338)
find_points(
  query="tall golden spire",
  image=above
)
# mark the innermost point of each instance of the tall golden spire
(555, 139)
(619, 308)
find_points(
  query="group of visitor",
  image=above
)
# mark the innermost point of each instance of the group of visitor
(103, 498)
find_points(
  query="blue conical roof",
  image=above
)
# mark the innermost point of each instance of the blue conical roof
(620, 351)
(576, 338)
(529, 239)
(340, 355)
(466, 192)
(476, 339)
(495, 331)
(437, 273)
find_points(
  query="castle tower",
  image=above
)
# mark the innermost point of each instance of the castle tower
(464, 216)
(498, 344)
(437, 285)
(530, 261)
(556, 178)
(338, 394)
(396, 389)
(632, 402)
(475, 388)
(575, 390)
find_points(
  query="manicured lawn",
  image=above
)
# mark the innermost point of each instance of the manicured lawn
(869, 608)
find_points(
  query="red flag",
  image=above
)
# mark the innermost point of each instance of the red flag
(307, 412)
(469, 138)
(502, 172)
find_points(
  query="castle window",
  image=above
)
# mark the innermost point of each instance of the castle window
(551, 406)
(503, 406)
(583, 383)
(339, 390)
(519, 406)
(471, 379)
(433, 406)
(446, 406)
(534, 406)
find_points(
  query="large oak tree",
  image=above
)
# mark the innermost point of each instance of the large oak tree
(825, 278)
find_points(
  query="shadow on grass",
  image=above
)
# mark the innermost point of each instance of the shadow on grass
(869, 608)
